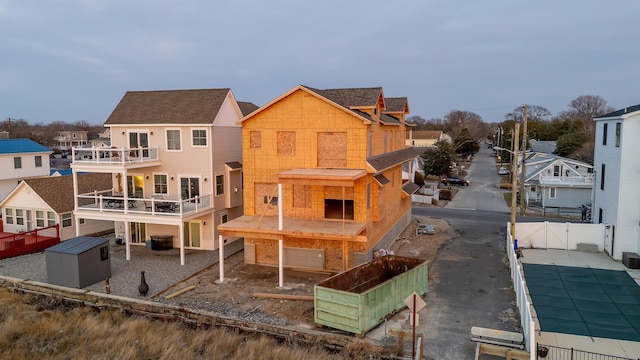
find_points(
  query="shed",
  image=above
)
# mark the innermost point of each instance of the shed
(78, 262)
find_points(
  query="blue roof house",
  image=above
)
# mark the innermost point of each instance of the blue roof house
(21, 159)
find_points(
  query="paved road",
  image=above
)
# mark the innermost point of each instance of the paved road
(473, 283)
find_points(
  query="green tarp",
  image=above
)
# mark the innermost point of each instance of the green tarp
(585, 301)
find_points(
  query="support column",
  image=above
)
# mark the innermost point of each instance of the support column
(221, 257)
(127, 240)
(181, 228)
(280, 241)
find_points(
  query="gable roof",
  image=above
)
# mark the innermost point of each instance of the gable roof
(397, 104)
(619, 113)
(247, 107)
(21, 146)
(168, 107)
(351, 97)
(57, 191)
(389, 120)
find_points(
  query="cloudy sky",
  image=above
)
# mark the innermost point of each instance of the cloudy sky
(70, 60)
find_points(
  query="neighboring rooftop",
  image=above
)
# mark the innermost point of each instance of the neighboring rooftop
(21, 146)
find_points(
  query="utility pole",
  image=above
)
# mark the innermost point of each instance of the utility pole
(514, 178)
(524, 151)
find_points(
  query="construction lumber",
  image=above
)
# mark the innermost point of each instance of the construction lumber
(180, 292)
(282, 296)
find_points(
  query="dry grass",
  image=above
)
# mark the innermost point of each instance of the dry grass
(34, 328)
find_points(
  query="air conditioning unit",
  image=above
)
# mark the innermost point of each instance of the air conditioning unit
(631, 260)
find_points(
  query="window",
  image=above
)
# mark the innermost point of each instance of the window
(8, 215)
(199, 137)
(556, 170)
(160, 184)
(618, 129)
(219, 184)
(368, 196)
(39, 218)
(286, 142)
(17, 162)
(274, 200)
(605, 127)
(552, 193)
(66, 220)
(19, 217)
(51, 218)
(602, 177)
(255, 140)
(38, 161)
(224, 217)
(81, 221)
(173, 140)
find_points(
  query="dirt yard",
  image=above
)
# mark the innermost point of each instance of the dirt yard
(236, 297)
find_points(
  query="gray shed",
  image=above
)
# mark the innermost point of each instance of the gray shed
(78, 262)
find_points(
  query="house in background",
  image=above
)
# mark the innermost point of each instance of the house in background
(554, 181)
(616, 195)
(43, 202)
(103, 139)
(426, 138)
(67, 139)
(21, 159)
(331, 162)
(175, 164)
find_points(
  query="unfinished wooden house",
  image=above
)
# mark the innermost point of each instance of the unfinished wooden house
(323, 181)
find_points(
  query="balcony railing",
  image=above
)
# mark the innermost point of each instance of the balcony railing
(114, 155)
(106, 201)
(568, 180)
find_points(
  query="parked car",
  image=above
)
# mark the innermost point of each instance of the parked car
(454, 180)
(427, 229)
(503, 171)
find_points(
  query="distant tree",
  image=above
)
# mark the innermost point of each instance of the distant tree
(438, 159)
(457, 121)
(534, 113)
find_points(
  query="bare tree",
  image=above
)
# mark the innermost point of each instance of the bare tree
(534, 113)
(457, 121)
(587, 107)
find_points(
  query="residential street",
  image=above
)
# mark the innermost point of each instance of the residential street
(473, 287)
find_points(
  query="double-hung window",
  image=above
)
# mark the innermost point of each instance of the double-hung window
(160, 184)
(17, 162)
(173, 140)
(199, 137)
(219, 185)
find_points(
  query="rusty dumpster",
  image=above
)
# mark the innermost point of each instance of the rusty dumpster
(359, 299)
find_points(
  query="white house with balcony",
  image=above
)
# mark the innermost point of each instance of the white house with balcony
(65, 140)
(175, 162)
(555, 181)
(616, 191)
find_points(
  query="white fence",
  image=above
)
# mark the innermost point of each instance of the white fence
(563, 236)
(545, 235)
(526, 319)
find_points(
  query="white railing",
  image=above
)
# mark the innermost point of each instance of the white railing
(106, 201)
(114, 155)
(569, 180)
(524, 306)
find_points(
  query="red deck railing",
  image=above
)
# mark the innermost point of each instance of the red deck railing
(28, 242)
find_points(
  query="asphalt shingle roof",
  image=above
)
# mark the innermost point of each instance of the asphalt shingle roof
(366, 97)
(168, 107)
(397, 104)
(387, 160)
(618, 113)
(20, 146)
(57, 191)
(247, 107)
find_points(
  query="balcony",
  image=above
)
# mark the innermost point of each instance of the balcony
(115, 156)
(566, 180)
(106, 201)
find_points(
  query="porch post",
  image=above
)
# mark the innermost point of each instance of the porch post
(127, 240)
(221, 257)
(280, 241)
(181, 227)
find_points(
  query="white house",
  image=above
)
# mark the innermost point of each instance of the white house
(21, 159)
(616, 191)
(43, 202)
(555, 181)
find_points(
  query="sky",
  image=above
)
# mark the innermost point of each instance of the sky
(71, 60)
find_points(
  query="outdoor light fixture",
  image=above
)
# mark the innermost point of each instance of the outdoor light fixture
(151, 133)
(172, 178)
(205, 179)
(124, 132)
(147, 177)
